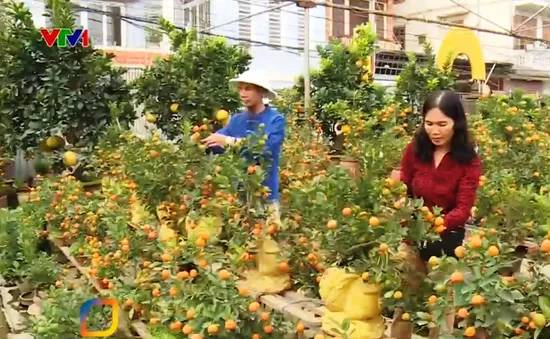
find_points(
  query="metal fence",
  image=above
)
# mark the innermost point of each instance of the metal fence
(132, 73)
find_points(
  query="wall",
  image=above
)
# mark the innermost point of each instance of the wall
(500, 12)
(37, 11)
(533, 86)
(281, 64)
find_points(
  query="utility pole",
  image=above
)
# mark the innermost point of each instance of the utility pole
(306, 5)
(479, 82)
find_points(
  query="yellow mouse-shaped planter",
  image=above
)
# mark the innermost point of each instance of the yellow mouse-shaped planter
(268, 278)
(347, 296)
(211, 226)
(139, 213)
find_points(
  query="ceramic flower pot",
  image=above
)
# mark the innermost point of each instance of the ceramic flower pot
(25, 288)
(27, 299)
(352, 166)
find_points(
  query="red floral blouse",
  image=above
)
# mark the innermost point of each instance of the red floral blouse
(451, 186)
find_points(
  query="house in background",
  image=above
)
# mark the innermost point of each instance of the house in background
(341, 23)
(530, 61)
(275, 39)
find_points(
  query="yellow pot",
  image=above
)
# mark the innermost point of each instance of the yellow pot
(268, 257)
(212, 226)
(346, 292)
(371, 299)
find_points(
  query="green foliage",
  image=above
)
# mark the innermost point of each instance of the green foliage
(419, 78)
(289, 100)
(61, 315)
(343, 76)
(511, 131)
(9, 249)
(196, 78)
(363, 46)
(20, 245)
(491, 108)
(46, 90)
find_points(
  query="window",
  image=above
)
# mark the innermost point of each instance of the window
(389, 64)
(189, 14)
(380, 20)
(528, 29)
(355, 18)
(338, 20)
(421, 39)
(104, 23)
(179, 14)
(153, 35)
(275, 24)
(457, 19)
(197, 16)
(189, 20)
(245, 33)
(77, 19)
(203, 12)
(399, 34)
(496, 84)
(114, 37)
(344, 22)
(545, 30)
(48, 21)
(95, 24)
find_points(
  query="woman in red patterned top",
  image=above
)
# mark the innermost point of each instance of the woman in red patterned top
(441, 166)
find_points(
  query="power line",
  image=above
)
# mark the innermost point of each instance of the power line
(127, 19)
(479, 16)
(293, 49)
(146, 20)
(531, 17)
(428, 21)
(457, 70)
(143, 20)
(269, 9)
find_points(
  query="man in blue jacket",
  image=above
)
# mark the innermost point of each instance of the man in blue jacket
(253, 88)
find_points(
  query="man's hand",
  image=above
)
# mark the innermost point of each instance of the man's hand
(214, 140)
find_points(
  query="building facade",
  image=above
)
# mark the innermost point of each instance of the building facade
(341, 23)
(531, 18)
(274, 38)
(126, 28)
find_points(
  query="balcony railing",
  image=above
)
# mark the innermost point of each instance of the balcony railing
(535, 59)
(132, 73)
(382, 45)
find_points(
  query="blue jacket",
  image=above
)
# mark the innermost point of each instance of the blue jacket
(245, 123)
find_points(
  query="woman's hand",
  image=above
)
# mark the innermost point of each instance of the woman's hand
(396, 175)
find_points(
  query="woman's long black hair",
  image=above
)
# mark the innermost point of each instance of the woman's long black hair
(462, 144)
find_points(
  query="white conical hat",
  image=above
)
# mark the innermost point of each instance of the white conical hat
(256, 78)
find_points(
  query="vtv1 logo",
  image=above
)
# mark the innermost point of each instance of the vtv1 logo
(65, 35)
(85, 332)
